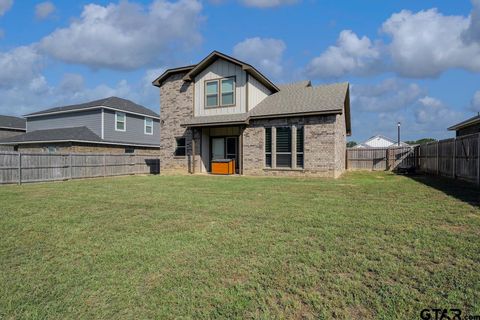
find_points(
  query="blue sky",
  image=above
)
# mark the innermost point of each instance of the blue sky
(417, 62)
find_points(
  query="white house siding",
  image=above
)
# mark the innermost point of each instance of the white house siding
(256, 92)
(221, 69)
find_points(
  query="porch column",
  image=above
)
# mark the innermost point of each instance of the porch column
(240, 152)
(274, 147)
(294, 147)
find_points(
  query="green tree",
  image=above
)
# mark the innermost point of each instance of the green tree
(351, 144)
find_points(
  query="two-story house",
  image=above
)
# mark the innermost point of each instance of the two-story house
(223, 108)
(111, 125)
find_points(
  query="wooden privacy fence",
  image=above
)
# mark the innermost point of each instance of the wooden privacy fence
(380, 159)
(18, 167)
(457, 158)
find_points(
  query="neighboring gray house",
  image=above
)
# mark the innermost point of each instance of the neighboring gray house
(469, 126)
(225, 108)
(107, 125)
(11, 126)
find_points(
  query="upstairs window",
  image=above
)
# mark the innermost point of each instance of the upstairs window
(120, 121)
(228, 92)
(148, 126)
(212, 94)
(180, 147)
(220, 93)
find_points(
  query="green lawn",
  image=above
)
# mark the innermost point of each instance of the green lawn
(368, 245)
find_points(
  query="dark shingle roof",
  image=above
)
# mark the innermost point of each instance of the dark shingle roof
(63, 134)
(82, 134)
(112, 102)
(12, 122)
(324, 98)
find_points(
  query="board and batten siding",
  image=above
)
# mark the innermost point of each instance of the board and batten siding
(135, 130)
(221, 69)
(91, 119)
(256, 92)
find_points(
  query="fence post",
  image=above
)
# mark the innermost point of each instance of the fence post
(438, 158)
(70, 165)
(478, 160)
(104, 166)
(454, 157)
(19, 168)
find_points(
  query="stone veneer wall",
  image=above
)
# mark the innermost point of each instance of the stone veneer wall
(322, 157)
(176, 98)
(340, 145)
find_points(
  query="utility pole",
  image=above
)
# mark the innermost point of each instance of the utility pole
(398, 133)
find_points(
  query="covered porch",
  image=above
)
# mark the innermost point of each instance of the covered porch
(216, 143)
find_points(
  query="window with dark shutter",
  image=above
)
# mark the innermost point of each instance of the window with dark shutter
(180, 148)
(268, 147)
(284, 147)
(300, 147)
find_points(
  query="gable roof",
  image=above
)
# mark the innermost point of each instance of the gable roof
(472, 121)
(379, 136)
(158, 82)
(299, 100)
(15, 123)
(113, 103)
(194, 70)
(73, 134)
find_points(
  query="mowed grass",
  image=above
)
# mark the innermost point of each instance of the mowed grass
(368, 245)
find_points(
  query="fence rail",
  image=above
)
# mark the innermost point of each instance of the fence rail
(20, 168)
(456, 158)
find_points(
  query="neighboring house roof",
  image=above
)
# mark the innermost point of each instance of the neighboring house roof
(466, 123)
(194, 70)
(114, 103)
(296, 101)
(74, 134)
(13, 123)
(380, 141)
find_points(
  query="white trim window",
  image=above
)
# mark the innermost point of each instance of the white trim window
(148, 126)
(120, 121)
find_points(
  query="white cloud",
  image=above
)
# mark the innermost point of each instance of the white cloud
(127, 35)
(19, 65)
(426, 43)
(5, 5)
(44, 10)
(418, 45)
(264, 53)
(390, 94)
(351, 54)
(433, 112)
(267, 3)
(475, 104)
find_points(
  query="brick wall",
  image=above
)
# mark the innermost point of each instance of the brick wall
(176, 98)
(322, 156)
